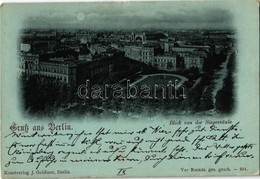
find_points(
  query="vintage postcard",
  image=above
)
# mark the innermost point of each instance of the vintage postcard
(130, 89)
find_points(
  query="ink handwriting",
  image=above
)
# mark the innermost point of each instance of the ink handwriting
(152, 146)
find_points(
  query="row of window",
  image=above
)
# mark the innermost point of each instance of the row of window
(31, 66)
(59, 77)
(54, 70)
(164, 60)
(147, 53)
(147, 58)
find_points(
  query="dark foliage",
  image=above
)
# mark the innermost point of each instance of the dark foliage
(41, 95)
(225, 98)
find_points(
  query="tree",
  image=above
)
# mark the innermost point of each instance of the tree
(40, 94)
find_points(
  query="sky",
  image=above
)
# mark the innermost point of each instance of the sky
(131, 15)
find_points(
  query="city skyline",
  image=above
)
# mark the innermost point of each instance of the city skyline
(134, 15)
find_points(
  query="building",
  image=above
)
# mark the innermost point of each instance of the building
(94, 70)
(29, 63)
(193, 61)
(165, 62)
(63, 69)
(67, 70)
(189, 56)
(46, 33)
(25, 47)
(86, 57)
(84, 37)
(60, 70)
(138, 37)
(166, 47)
(43, 45)
(140, 53)
(97, 48)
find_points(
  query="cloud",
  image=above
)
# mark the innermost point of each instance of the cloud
(134, 15)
